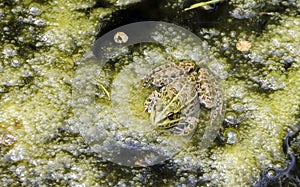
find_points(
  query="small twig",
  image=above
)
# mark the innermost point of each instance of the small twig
(202, 4)
(105, 90)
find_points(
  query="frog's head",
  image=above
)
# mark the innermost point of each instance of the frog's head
(166, 110)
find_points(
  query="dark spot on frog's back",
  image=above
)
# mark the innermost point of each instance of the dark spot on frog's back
(166, 66)
(173, 75)
(165, 76)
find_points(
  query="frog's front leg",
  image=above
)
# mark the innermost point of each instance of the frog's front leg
(186, 126)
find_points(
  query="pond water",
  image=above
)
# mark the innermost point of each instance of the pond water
(72, 93)
(127, 136)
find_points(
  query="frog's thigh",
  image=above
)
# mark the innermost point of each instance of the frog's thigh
(156, 71)
(206, 88)
(163, 75)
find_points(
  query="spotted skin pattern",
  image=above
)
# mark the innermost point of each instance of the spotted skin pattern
(181, 90)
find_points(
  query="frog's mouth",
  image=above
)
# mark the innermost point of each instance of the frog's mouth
(171, 120)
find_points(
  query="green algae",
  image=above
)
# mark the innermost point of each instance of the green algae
(131, 131)
(261, 87)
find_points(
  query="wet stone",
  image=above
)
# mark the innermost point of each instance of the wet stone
(231, 136)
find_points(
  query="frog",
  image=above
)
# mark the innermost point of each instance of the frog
(180, 90)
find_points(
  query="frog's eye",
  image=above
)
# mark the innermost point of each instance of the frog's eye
(170, 115)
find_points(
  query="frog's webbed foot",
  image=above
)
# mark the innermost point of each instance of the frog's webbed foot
(186, 127)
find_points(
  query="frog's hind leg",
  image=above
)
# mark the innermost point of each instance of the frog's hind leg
(211, 96)
(206, 87)
(163, 75)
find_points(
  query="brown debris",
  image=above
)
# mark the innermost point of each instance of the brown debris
(243, 45)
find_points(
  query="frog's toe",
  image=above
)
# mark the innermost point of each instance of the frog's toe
(207, 101)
